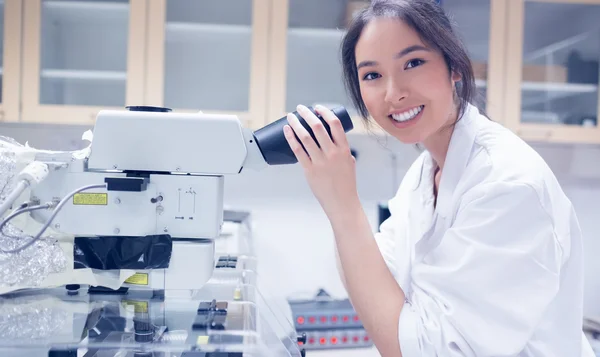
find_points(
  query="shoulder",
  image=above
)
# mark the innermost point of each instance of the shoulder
(507, 178)
(500, 159)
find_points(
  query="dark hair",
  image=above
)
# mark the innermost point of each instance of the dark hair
(433, 26)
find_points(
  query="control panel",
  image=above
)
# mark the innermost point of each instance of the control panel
(328, 323)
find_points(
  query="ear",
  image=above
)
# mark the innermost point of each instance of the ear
(456, 77)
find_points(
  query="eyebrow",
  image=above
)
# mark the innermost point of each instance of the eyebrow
(400, 54)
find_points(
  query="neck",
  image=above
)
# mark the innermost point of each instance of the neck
(438, 143)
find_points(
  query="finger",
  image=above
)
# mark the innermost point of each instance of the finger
(317, 127)
(335, 125)
(297, 149)
(309, 144)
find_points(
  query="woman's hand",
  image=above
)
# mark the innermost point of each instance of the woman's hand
(330, 170)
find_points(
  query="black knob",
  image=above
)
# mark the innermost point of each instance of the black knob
(72, 289)
(302, 338)
(147, 108)
(303, 352)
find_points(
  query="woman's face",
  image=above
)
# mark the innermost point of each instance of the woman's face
(404, 84)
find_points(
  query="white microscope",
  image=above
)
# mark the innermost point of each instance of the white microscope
(148, 197)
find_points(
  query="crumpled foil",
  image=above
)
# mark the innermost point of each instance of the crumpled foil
(32, 265)
(31, 321)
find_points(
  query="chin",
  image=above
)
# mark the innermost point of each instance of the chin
(408, 137)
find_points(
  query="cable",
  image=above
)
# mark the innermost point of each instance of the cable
(19, 212)
(49, 221)
(12, 197)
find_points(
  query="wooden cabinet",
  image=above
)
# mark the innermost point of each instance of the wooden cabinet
(80, 57)
(536, 73)
(552, 70)
(10, 61)
(209, 56)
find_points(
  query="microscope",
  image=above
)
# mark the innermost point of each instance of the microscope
(147, 198)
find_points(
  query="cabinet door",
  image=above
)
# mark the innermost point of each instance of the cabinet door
(209, 56)
(553, 70)
(305, 52)
(10, 60)
(81, 56)
(305, 66)
(481, 26)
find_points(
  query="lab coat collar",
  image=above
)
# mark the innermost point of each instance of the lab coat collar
(457, 158)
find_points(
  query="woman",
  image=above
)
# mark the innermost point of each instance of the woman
(482, 254)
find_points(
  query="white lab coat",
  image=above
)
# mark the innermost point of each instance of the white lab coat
(496, 268)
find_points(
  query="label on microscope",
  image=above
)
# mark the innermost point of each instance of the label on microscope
(90, 199)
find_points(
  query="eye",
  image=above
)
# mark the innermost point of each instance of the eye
(370, 76)
(414, 63)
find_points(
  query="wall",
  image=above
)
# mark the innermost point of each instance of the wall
(293, 237)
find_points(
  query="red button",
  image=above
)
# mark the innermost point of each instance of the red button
(323, 319)
(366, 338)
(345, 318)
(334, 340)
(355, 338)
(311, 341)
(334, 319)
(312, 319)
(300, 320)
(323, 340)
(355, 318)
(345, 339)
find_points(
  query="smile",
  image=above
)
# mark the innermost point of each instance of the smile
(407, 115)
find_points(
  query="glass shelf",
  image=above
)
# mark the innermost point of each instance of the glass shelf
(560, 68)
(207, 55)
(48, 322)
(84, 46)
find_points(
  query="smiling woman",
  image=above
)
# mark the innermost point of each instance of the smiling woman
(482, 252)
(429, 61)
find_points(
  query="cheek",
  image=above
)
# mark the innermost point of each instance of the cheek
(371, 98)
(437, 87)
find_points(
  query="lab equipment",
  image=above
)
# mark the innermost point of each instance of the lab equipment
(144, 203)
(228, 316)
(328, 323)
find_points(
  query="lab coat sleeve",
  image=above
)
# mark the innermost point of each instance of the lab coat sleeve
(484, 288)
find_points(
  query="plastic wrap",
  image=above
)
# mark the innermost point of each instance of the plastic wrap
(32, 265)
(32, 320)
(48, 262)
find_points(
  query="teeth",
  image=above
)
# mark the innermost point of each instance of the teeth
(407, 115)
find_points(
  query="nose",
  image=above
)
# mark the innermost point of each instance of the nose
(396, 91)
